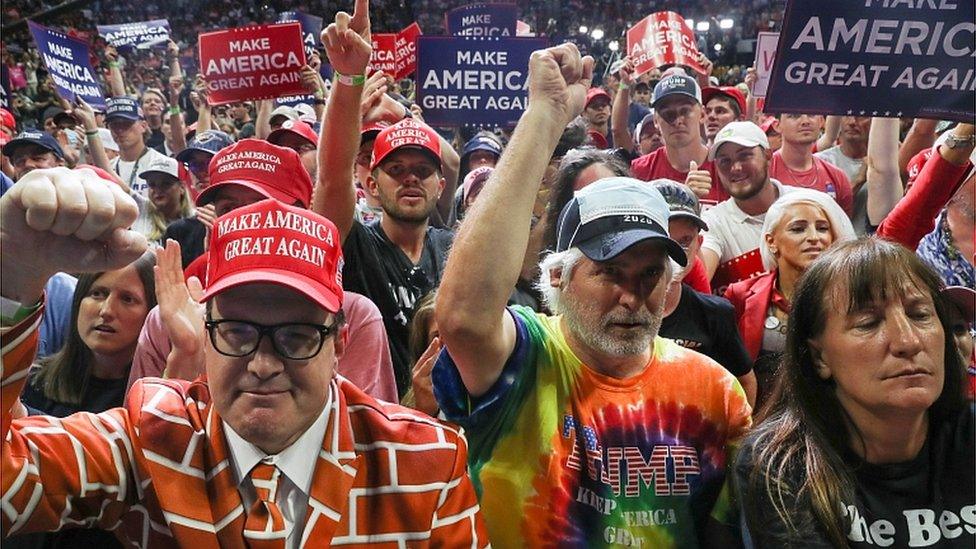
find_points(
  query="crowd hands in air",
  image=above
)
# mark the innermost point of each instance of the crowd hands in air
(732, 329)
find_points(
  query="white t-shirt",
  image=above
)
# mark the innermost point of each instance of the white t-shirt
(129, 171)
(731, 231)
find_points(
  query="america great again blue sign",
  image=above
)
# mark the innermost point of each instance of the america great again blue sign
(905, 58)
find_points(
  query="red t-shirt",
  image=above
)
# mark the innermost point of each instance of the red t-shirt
(823, 177)
(655, 165)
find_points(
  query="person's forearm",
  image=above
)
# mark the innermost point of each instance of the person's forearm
(451, 166)
(619, 119)
(489, 248)
(959, 155)
(883, 178)
(751, 110)
(97, 149)
(335, 195)
(920, 137)
(177, 130)
(262, 124)
(831, 129)
(116, 84)
(204, 118)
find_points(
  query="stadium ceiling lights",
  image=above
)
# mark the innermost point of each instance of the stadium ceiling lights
(718, 47)
(703, 26)
(614, 45)
(597, 34)
(690, 23)
(726, 24)
(584, 29)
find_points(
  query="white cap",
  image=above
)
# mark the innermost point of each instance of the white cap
(162, 164)
(746, 134)
(284, 110)
(108, 143)
(306, 113)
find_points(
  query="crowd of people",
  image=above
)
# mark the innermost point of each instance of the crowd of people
(649, 314)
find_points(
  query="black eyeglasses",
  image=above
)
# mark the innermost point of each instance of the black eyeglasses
(293, 340)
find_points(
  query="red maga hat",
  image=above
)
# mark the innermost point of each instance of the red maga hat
(297, 127)
(275, 172)
(729, 91)
(593, 93)
(406, 133)
(275, 243)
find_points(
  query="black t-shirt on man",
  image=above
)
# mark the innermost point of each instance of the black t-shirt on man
(706, 323)
(378, 269)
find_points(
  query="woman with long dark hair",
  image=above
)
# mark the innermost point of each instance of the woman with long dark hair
(867, 440)
(90, 372)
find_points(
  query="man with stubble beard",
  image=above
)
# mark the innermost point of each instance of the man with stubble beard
(730, 249)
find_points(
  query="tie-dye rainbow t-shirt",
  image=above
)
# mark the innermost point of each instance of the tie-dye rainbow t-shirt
(565, 457)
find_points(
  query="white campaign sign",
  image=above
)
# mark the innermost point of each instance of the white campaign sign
(765, 54)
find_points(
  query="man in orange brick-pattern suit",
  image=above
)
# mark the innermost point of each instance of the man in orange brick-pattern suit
(172, 467)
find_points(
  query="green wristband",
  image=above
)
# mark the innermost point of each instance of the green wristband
(349, 79)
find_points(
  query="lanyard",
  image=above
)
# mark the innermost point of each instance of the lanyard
(135, 167)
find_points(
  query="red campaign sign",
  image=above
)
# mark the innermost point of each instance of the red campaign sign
(384, 53)
(249, 63)
(406, 51)
(662, 38)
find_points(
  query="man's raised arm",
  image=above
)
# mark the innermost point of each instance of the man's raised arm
(347, 43)
(487, 255)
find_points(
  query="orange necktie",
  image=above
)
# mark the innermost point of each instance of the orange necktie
(265, 526)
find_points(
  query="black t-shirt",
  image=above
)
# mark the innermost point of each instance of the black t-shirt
(100, 395)
(157, 140)
(929, 501)
(191, 234)
(378, 269)
(706, 323)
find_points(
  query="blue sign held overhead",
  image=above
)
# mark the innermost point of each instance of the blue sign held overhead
(69, 64)
(907, 58)
(471, 81)
(141, 35)
(493, 20)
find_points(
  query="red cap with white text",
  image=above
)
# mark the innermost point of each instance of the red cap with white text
(274, 243)
(406, 133)
(273, 171)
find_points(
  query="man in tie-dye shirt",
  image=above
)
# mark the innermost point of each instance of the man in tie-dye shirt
(585, 429)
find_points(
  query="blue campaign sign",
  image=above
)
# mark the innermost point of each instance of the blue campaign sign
(69, 64)
(141, 35)
(311, 28)
(473, 81)
(496, 20)
(904, 58)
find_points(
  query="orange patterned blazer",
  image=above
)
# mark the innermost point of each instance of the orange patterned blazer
(157, 470)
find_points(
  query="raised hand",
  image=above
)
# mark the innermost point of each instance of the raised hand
(423, 387)
(207, 215)
(559, 78)
(750, 79)
(180, 311)
(626, 72)
(348, 42)
(373, 92)
(84, 113)
(62, 220)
